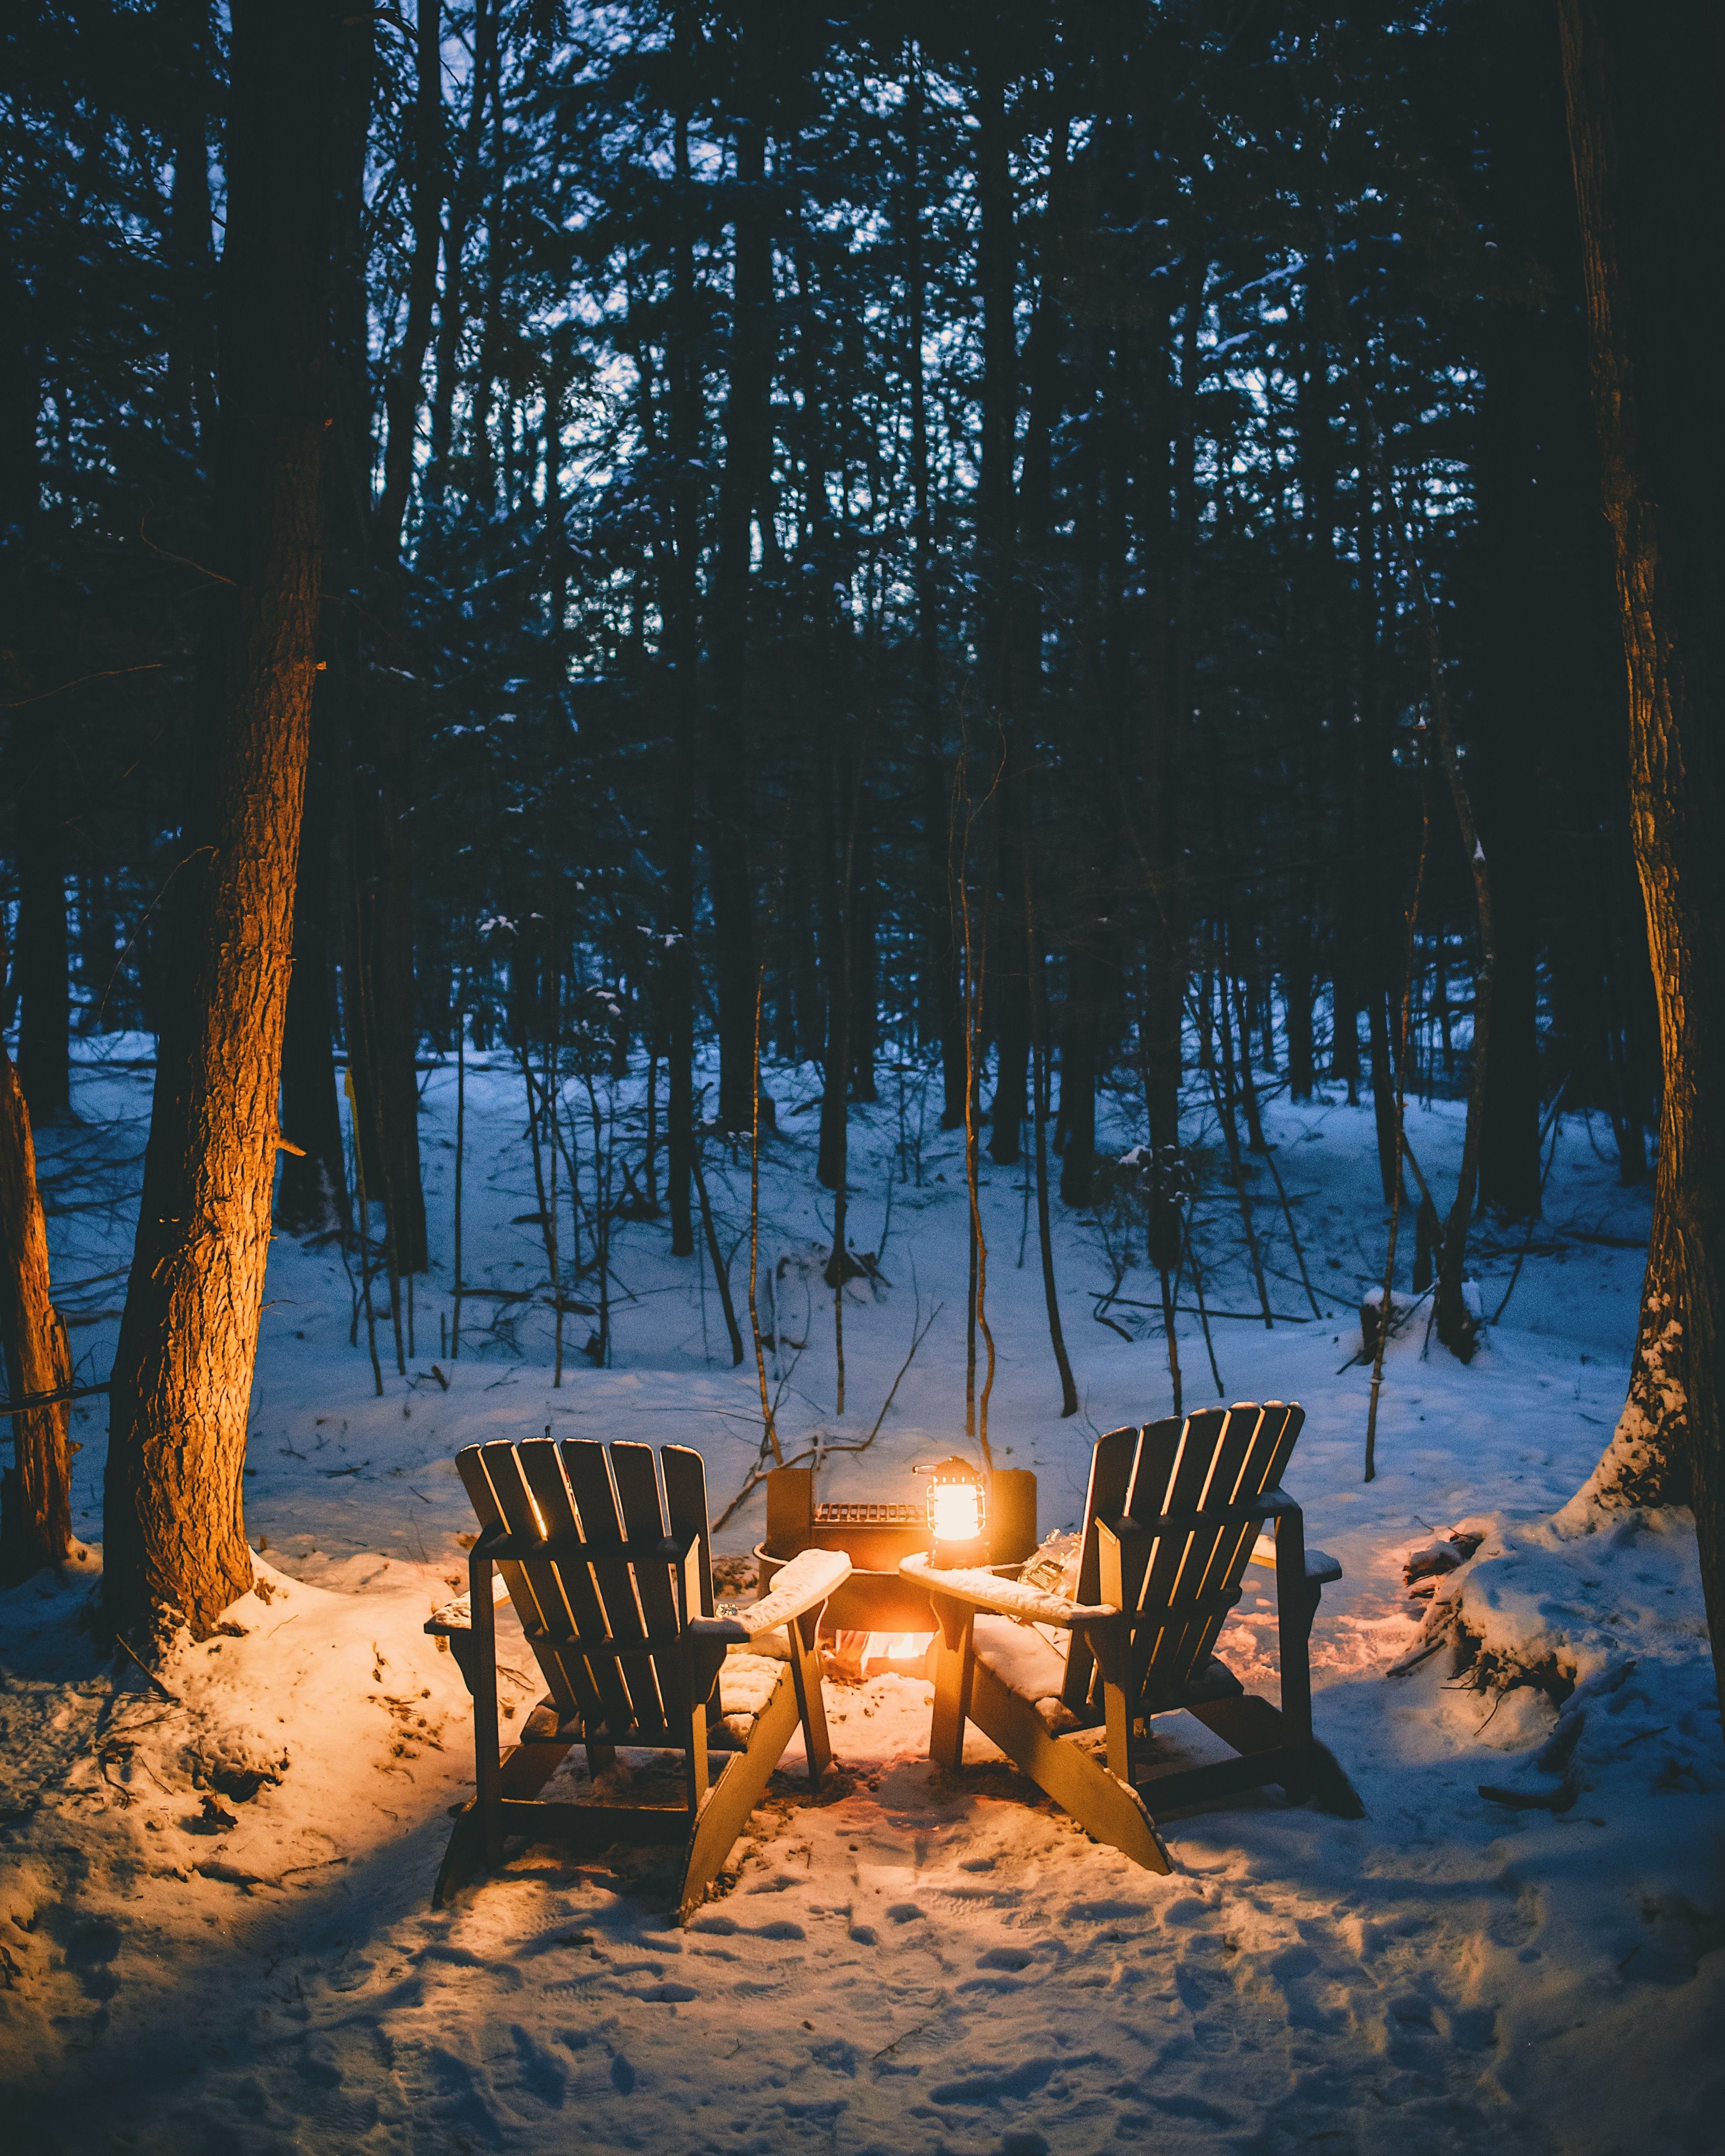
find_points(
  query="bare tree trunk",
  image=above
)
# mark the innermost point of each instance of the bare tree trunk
(1519, 682)
(748, 455)
(174, 1534)
(36, 1494)
(1165, 700)
(482, 85)
(40, 951)
(996, 641)
(1456, 1326)
(1044, 1233)
(1643, 91)
(679, 598)
(312, 1195)
(941, 945)
(386, 1086)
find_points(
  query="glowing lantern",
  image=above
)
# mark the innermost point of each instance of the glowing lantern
(958, 1511)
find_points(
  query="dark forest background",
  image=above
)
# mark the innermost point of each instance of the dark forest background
(996, 527)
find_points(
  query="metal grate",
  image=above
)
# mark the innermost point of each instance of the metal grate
(870, 1516)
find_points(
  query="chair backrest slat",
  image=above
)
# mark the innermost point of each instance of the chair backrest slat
(1217, 1445)
(475, 1478)
(1272, 1445)
(686, 1500)
(589, 1474)
(532, 1584)
(1171, 1566)
(578, 1608)
(1111, 1471)
(655, 1586)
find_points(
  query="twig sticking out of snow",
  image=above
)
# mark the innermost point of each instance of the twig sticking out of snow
(121, 1642)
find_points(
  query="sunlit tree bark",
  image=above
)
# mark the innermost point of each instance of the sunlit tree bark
(35, 1507)
(1643, 91)
(174, 1535)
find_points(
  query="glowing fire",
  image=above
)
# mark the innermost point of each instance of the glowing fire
(853, 1656)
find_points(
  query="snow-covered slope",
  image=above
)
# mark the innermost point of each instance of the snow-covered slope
(214, 1919)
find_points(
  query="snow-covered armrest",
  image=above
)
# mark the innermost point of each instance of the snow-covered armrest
(457, 1616)
(802, 1585)
(1006, 1598)
(1321, 1567)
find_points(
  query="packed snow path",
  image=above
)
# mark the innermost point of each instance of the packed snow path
(214, 1920)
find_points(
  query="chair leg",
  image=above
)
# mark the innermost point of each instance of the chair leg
(1103, 1806)
(954, 1670)
(487, 1764)
(1112, 1647)
(734, 1795)
(811, 1703)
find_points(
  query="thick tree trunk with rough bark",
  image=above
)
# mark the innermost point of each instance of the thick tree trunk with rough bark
(175, 1547)
(35, 1498)
(1644, 89)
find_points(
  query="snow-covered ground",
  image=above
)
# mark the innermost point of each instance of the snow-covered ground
(215, 1929)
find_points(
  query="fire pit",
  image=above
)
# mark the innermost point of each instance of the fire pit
(874, 1536)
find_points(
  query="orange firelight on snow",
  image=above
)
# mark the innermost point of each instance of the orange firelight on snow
(957, 1511)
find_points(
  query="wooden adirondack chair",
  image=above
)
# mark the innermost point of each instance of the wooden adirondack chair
(1173, 1516)
(613, 1588)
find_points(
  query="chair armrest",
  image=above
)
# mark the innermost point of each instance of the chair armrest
(1321, 1567)
(457, 1616)
(803, 1585)
(1006, 1598)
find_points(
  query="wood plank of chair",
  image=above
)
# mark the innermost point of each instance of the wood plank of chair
(1082, 1786)
(1153, 1475)
(954, 1669)
(811, 1701)
(539, 1597)
(529, 1766)
(1250, 1724)
(542, 1469)
(1110, 1474)
(1284, 1444)
(1153, 1470)
(589, 1470)
(1158, 1625)
(1194, 1786)
(655, 1581)
(616, 1711)
(1272, 1442)
(685, 1503)
(643, 1521)
(596, 1826)
(686, 1500)
(470, 1463)
(734, 1795)
(1209, 1558)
